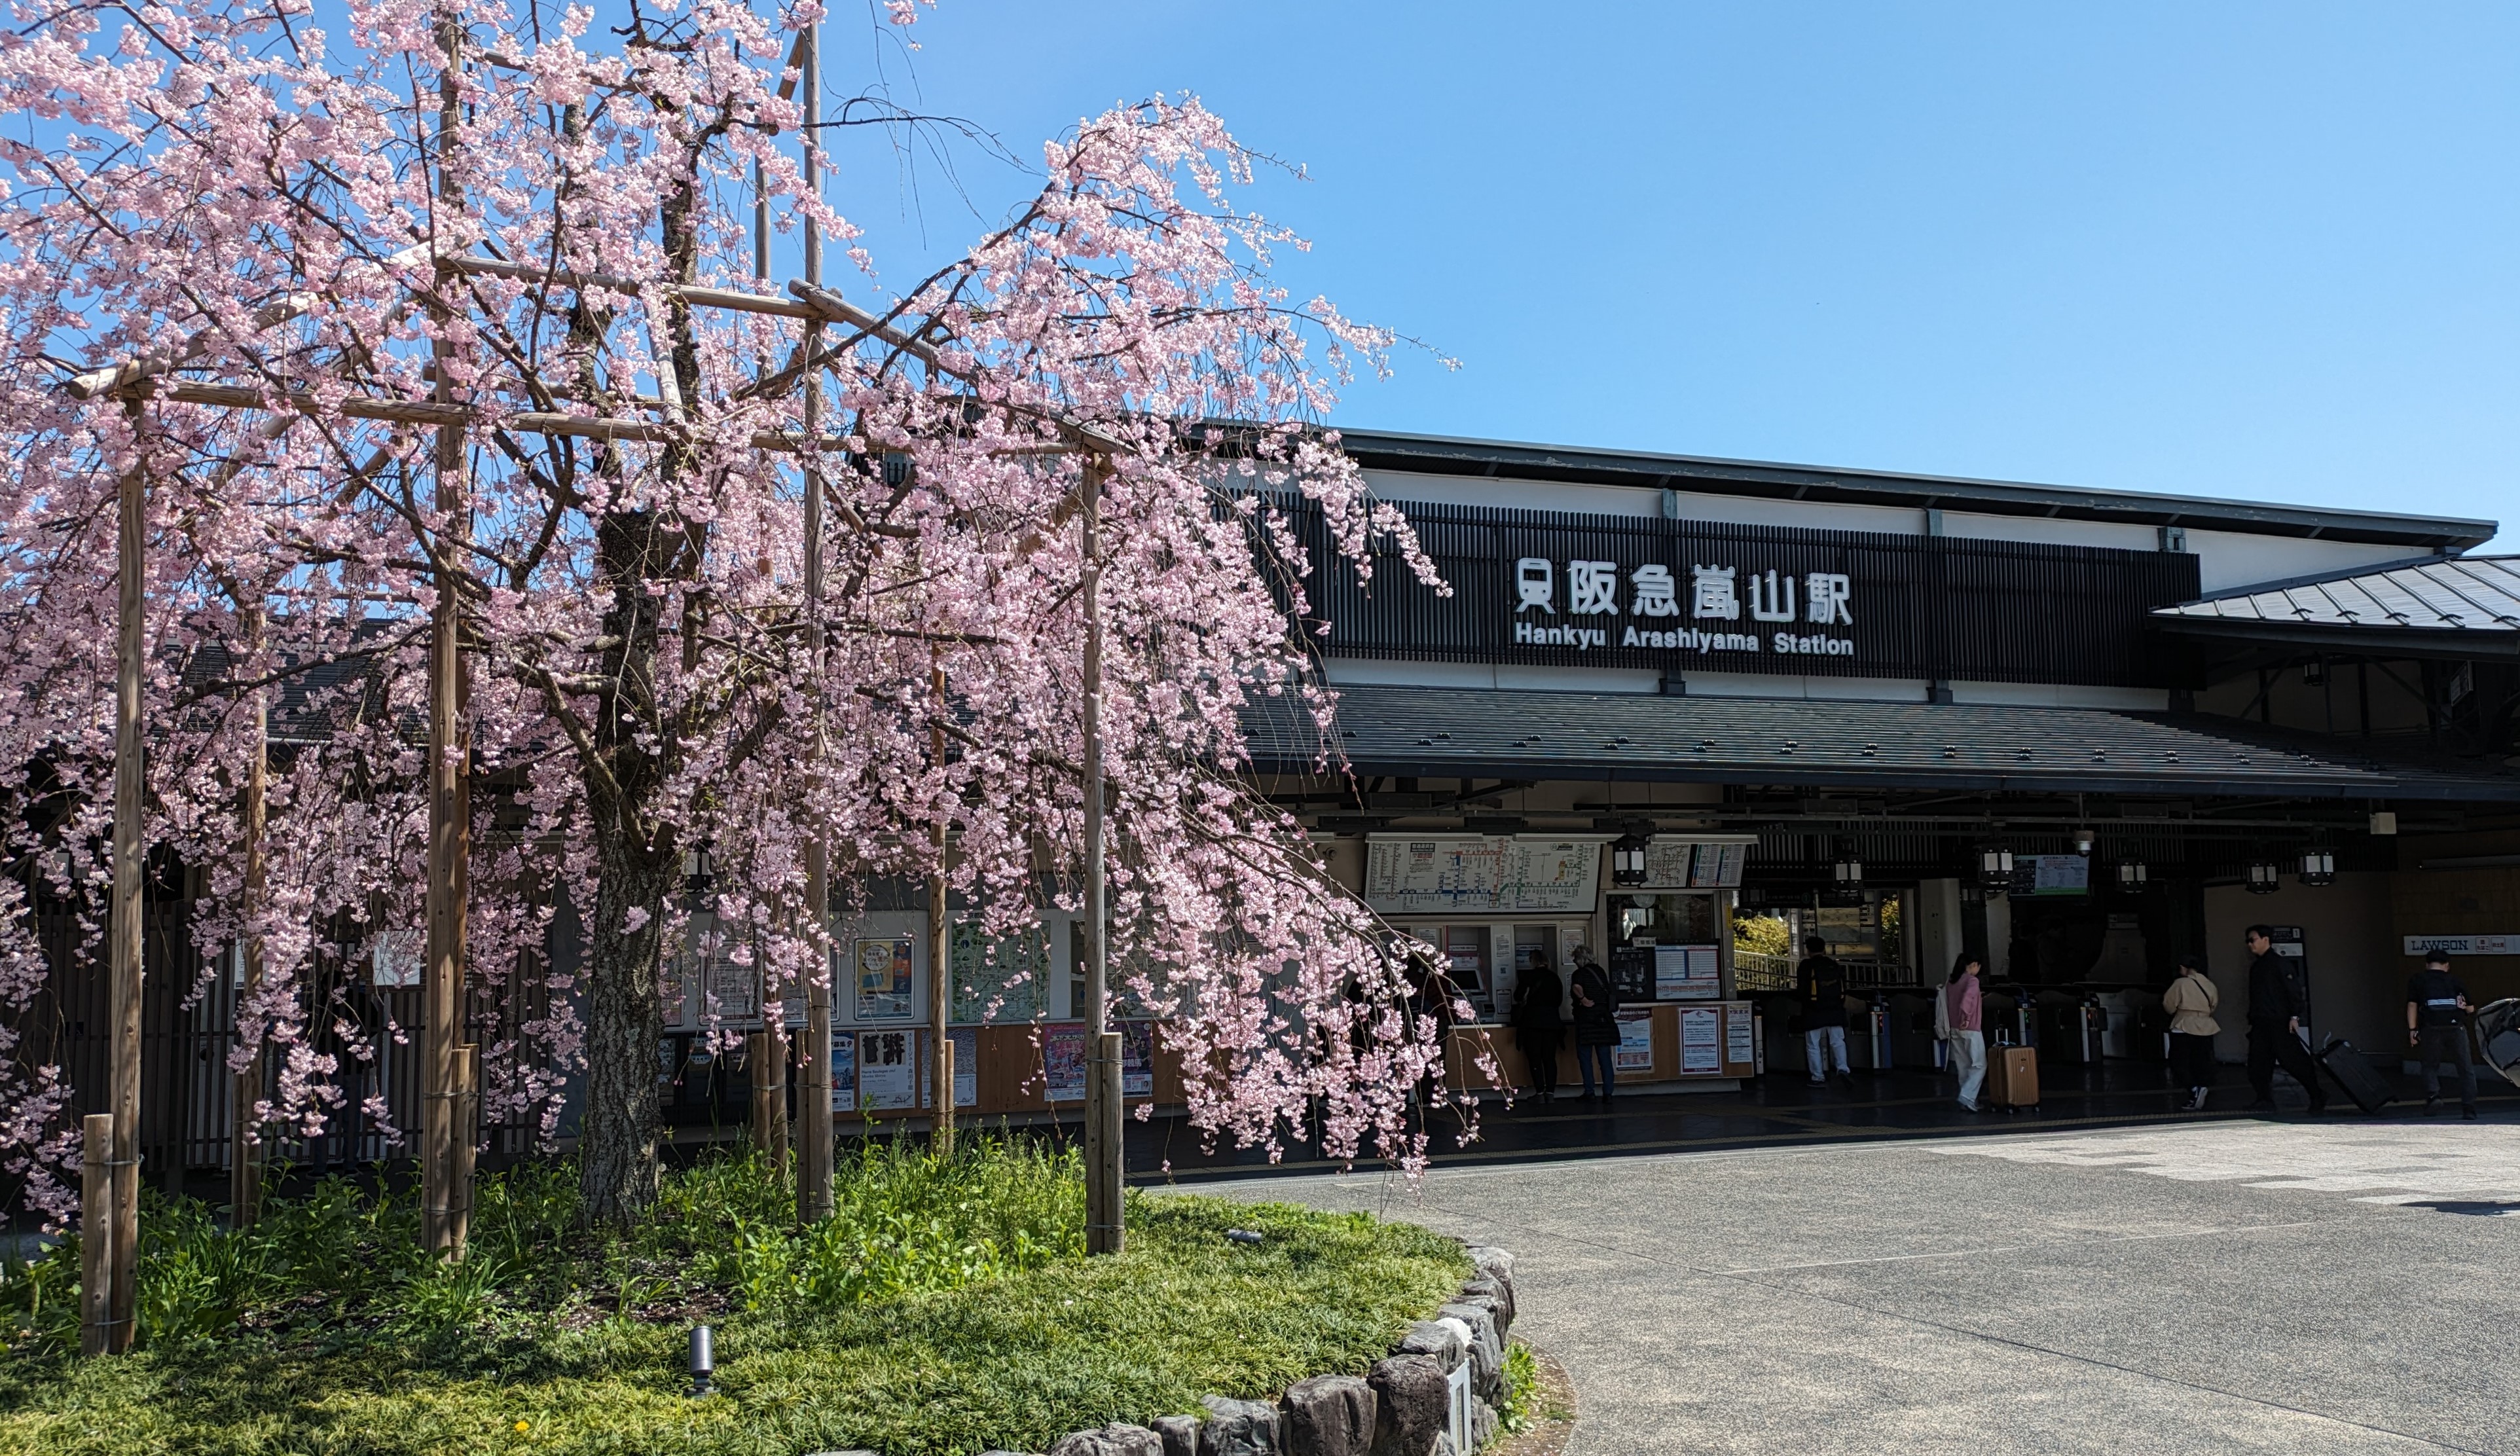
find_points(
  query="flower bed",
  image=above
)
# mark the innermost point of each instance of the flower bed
(947, 1308)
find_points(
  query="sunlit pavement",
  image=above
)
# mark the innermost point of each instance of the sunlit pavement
(2232, 1285)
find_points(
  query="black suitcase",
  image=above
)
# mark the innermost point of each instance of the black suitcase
(2369, 1091)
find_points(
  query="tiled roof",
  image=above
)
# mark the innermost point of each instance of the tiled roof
(1452, 732)
(2466, 594)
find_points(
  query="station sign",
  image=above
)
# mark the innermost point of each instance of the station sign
(1618, 591)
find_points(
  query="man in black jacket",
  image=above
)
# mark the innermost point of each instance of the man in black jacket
(1823, 988)
(2274, 1027)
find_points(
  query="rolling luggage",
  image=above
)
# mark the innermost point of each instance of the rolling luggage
(2012, 1077)
(2369, 1091)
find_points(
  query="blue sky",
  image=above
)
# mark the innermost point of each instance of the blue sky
(2257, 251)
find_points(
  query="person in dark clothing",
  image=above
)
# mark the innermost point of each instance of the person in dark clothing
(1824, 987)
(2274, 1027)
(1537, 1028)
(1597, 1024)
(2437, 1013)
(1430, 1005)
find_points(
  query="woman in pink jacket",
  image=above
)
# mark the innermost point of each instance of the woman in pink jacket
(1964, 1009)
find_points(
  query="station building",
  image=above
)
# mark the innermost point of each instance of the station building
(1683, 712)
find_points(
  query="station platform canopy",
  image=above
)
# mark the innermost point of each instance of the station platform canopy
(1426, 732)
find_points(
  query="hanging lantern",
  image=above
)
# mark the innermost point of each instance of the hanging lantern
(2319, 867)
(2265, 878)
(1849, 874)
(1994, 868)
(2081, 841)
(2132, 875)
(1628, 859)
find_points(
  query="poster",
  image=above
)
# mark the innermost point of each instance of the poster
(1701, 1045)
(1636, 1041)
(1633, 971)
(999, 979)
(967, 1067)
(1136, 1059)
(844, 1072)
(1063, 1063)
(1687, 972)
(2055, 874)
(397, 957)
(887, 1066)
(882, 977)
(1447, 875)
(1740, 1034)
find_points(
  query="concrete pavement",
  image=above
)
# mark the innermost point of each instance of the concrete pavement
(2228, 1286)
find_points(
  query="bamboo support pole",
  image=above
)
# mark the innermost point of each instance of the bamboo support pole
(446, 1139)
(940, 949)
(123, 929)
(245, 1155)
(1103, 1225)
(814, 1097)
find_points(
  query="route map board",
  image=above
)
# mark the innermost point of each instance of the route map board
(1693, 864)
(1449, 874)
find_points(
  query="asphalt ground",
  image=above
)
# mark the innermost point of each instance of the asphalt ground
(2243, 1285)
(1780, 1110)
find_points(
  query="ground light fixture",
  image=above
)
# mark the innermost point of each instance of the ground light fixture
(703, 1360)
(2318, 867)
(2265, 878)
(1628, 859)
(2132, 875)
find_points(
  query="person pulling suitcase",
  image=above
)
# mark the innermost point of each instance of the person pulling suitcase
(2437, 1013)
(2274, 1027)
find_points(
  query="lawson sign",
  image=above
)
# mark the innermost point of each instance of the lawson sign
(2463, 945)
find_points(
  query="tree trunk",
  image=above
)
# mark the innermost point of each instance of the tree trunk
(638, 862)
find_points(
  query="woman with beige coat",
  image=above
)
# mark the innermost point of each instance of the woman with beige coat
(2190, 1002)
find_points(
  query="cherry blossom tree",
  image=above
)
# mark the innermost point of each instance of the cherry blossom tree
(461, 308)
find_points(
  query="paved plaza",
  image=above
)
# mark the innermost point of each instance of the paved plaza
(2299, 1287)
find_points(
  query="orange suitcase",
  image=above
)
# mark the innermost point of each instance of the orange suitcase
(2012, 1077)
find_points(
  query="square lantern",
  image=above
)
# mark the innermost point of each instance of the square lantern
(2265, 878)
(2319, 867)
(1628, 859)
(2132, 875)
(1994, 868)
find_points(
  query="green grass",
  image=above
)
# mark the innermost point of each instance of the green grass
(947, 1308)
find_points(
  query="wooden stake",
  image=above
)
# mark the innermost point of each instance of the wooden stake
(96, 1232)
(123, 927)
(814, 1110)
(1103, 1230)
(244, 1149)
(446, 1140)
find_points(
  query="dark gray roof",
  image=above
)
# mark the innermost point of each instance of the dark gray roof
(1381, 449)
(2470, 605)
(1455, 732)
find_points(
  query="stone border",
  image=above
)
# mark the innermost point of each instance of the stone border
(1435, 1395)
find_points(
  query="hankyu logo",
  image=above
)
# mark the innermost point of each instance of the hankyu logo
(1716, 594)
